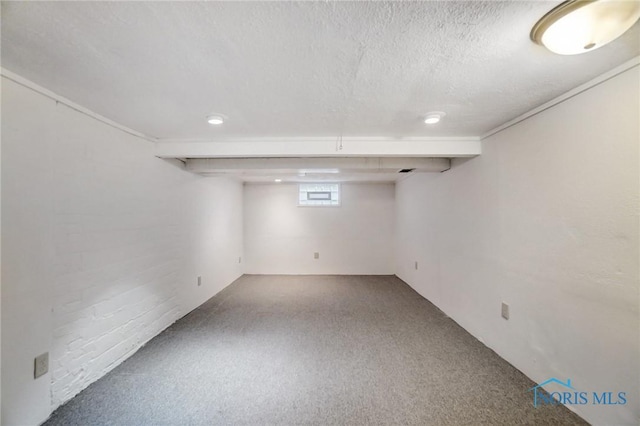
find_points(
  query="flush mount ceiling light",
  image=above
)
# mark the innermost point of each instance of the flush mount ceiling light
(434, 117)
(579, 26)
(215, 119)
(278, 180)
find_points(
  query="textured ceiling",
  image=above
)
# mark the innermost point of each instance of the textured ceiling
(297, 68)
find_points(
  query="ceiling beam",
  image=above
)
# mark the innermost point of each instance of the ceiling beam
(320, 147)
(316, 165)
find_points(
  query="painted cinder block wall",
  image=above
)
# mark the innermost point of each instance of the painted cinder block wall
(102, 245)
(546, 219)
(354, 238)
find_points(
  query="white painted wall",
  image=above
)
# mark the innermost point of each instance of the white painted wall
(355, 238)
(102, 243)
(546, 220)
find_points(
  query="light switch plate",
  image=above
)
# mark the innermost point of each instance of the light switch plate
(41, 365)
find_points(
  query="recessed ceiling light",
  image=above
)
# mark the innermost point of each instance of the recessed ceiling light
(216, 120)
(434, 117)
(579, 26)
(278, 180)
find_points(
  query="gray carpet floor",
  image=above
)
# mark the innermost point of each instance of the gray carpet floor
(312, 350)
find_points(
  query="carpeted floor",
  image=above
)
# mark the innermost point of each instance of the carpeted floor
(312, 350)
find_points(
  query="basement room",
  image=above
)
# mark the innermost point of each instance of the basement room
(320, 213)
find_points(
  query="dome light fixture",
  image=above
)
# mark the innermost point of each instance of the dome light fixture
(215, 119)
(579, 26)
(434, 117)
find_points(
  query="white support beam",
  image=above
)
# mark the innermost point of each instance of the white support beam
(320, 147)
(313, 165)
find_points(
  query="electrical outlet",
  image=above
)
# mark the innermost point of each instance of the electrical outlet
(316, 255)
(199, 281)
(240, 260)
(41, 365)
(505, 311)
(416, 265)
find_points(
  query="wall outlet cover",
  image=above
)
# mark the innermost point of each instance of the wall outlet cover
(416, 265)
(316, 255)
(505, 311)
(199, 281)
(41, 365)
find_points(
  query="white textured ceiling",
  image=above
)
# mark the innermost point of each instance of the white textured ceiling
(297, 68)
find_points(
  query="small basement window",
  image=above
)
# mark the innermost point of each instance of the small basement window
(319, 194)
